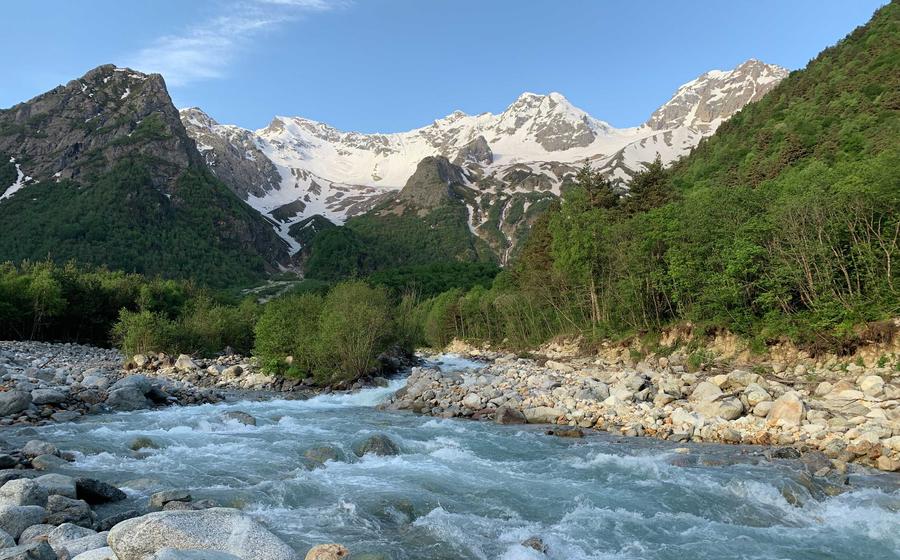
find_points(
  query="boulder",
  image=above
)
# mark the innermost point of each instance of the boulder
(472, 401)
(217, 529)
(788, 410)
(509, 415)
(142, 442)
(36, 447)
(23, 492)
(14, 402)
(542, 414)
(185, 363)
(125, 399)
(66, 510)
(327, 552)
(6, 540)
(378, 444)
(705, 391)
(871, 385)
(239, 416)
(49, 396)
(160, 499)
(319, 455)
(96, 492)
(32, 551)
(729, 408)
(58, 484)
(175, 554)
(104, 553)
(100, 382)
(36, 533)
(15, 519)
(69, 549)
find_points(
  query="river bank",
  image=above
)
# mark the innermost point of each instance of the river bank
(847, 418)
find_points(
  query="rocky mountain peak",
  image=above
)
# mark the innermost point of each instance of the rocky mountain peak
(431, 183)
(705, 102)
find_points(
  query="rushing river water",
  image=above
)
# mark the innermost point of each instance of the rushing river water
(464, 489)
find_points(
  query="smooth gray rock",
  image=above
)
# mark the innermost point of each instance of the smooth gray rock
(36, 447)
(14, 402)
(240, 416)
(543, 414)
(72, 548)
(160, 499)
(96, 492)
(35, 533)
(126, 399)
(68, 532)
(23, 492)
(104, 553)
(175, 554)
(15, 519)
(47, 462)
(59, 484)
(49, 396)
(6, 540)
(217, 529)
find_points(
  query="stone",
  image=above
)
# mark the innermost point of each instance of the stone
(871, 385)
(108, 523)
(49, 396)
(889, 464)
(96, 492)
(15, 519)
(378, 444)
(216, 529)
(35, 533)
(6, 540)
(535, 543)
(58, 484)
(176, 554)
(788, 410)
(32, 551)
(66, 510)
(142, 442)
(240, 417)
(507, 415)
(14, 402)
(705, 391)
(37, 447)
(72, 548)
(104, 553)
(126, 399)
(543, 414)
(232, 371)
(23, 492)
(327, 552)
(321, 454)
(159, 499)
(67, 532)
(473, 401)
(756, 394)
(184, 363)
(65, 415)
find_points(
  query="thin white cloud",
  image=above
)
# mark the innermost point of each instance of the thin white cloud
(207, 50)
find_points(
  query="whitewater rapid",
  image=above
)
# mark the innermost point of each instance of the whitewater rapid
(476, 490)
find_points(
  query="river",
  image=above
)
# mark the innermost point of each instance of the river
(465, 489)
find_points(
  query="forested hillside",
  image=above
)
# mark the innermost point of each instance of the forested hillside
(786, 222)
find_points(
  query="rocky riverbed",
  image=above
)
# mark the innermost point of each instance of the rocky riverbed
(853, 417)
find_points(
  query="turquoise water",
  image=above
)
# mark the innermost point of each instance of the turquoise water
(464, 489)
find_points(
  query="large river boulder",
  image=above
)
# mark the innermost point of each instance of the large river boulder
(216, 529)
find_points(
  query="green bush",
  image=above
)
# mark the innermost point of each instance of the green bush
(144, 332)
(287, 334)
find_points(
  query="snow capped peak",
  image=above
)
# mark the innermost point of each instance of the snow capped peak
(708, 100)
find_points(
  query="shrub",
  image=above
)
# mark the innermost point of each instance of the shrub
(143, 332)
(288, 326)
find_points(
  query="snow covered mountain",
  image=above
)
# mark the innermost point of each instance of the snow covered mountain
(514, 162)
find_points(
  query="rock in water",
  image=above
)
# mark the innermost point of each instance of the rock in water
(241, 417)
(66, 510)
(327, 552)
(379, 444)
(217, 529)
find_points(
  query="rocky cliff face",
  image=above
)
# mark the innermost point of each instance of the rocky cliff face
(432, 183)
(106, 173)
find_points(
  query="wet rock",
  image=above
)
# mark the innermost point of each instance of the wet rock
(66, 510)
(378, 444)
(142, 442)
(507, 415)
(535, 543)
(327, 552)
(217, 529)
(176, 554)
(97, 492)
(23, 492)
(319, 455)
(15, 519)
(565, 433)
(160, 499)
(239, 416)
(36, 447)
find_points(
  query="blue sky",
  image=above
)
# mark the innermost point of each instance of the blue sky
(392, 65)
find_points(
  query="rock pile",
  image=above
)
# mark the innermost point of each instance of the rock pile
(854, 419)
(231, 371)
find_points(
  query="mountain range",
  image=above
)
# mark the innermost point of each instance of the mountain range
(295, 168)
(107, 171)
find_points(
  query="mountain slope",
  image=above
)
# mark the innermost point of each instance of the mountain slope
(106, 173)
(513, 160)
